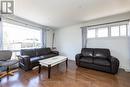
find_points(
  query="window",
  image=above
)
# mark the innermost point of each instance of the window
(123, 30)
(16, 37)
(102, 32)
(91, 33)
(115, 31)
(119, 30)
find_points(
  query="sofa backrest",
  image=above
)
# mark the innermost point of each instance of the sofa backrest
(43, 51)
(96, 52)
(87, 52)
(101, 53)
(29, 52)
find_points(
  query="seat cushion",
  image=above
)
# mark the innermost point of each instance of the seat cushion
(35, 59)
(102, 62)
(87, 52)
(86, 59)
(101, 53)
(8, 62)
(5, 55)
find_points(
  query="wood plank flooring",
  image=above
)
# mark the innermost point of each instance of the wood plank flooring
(72, 77)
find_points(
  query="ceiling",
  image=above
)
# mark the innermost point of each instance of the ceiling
(61, 13)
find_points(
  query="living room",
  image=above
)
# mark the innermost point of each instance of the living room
(65, 43)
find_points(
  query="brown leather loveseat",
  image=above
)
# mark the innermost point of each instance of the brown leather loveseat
(99, 59)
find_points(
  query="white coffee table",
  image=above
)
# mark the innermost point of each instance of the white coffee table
(52, 61)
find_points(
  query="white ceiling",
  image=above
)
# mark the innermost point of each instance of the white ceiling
(61, 13)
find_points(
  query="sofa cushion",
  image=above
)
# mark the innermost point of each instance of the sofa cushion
(102, 53)
(86, 59)
(35, 59)
(102, 62)
(43, 51)
(87, 52)
(28, 52)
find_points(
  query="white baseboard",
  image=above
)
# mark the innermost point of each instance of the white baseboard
(127, 70)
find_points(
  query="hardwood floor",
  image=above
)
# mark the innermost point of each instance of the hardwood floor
(72, 77)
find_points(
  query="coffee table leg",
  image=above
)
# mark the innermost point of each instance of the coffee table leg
(67, 63)
(49, 71)
(39, 68)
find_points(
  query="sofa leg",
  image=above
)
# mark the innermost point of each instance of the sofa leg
(25, 69)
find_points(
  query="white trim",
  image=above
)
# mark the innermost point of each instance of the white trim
(116, 37)
(108, 24)
(21, 21)
(109, 31)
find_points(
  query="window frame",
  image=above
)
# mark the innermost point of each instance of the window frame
(120, 30)
(109, 31)
(101, 28)
(13, 50)
(125, 32)
(94, 34)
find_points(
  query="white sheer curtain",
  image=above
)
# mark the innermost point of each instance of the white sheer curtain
(84, 37)
(129, 45)
(44, 37)
(1, 34)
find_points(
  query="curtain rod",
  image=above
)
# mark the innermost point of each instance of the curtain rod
(107, 23)
(24, 23)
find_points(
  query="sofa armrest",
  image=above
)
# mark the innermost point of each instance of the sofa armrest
(114, 64)
(77, 58)
(55, 52)
(25, 59)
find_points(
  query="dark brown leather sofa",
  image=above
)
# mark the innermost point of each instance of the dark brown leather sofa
(99, 59)
(29, 57)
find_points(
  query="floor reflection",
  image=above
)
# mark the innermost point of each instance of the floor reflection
(72, 77)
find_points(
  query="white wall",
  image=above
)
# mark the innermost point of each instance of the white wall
(118, 47)
(69, 40)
